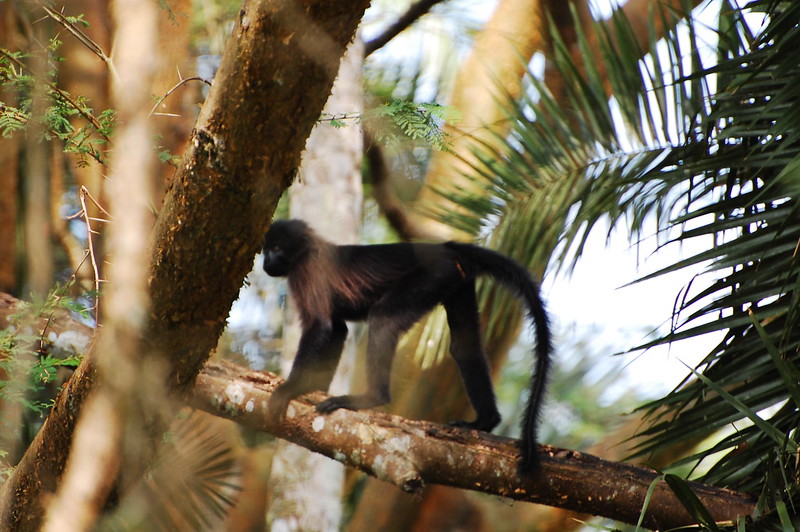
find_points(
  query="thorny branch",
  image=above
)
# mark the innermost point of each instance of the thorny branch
(176, 87)
(84, 213)
(63, 94)
(80, 35)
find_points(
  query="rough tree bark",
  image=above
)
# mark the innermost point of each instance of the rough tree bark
(275, 76)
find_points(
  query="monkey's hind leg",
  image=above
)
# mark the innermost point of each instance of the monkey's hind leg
(466, 349)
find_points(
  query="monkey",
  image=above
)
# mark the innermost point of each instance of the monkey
(391, 287)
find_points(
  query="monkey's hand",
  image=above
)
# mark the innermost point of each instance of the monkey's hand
(278, 403)
(349, 402)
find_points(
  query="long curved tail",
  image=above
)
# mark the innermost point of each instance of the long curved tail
(482, 261)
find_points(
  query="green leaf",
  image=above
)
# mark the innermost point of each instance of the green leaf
(648, 496)
(690, 501)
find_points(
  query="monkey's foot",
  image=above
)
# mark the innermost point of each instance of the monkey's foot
(486, 424)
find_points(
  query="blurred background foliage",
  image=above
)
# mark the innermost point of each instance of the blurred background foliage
(671, 123)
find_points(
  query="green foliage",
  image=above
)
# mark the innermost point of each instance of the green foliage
(44, 371)
(67, 118)
(417, 121)
(402, 119)
(706, 147)
(77, 20)
(26, 362)
(164, 155)
(11, 120)
(690, 502)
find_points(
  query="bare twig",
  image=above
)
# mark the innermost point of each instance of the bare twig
(341, 117)
(58, 297)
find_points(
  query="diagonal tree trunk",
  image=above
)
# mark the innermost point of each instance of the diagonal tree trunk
(275, 76)
(491, 73)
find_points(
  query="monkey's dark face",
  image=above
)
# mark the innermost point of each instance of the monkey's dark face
(285, 244)
(276, 263)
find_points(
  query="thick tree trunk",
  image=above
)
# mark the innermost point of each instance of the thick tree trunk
(275, 76)
(9, 162)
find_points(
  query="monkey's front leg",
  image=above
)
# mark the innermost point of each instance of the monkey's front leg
(279, 402)
(383, 335)
(314, 365)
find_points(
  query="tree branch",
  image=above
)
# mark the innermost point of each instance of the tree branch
(406, 19)
(412, 454)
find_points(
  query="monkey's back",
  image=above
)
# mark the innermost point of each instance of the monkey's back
(373, 270)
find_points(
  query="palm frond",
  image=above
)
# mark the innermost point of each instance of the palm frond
(705, 142)
(193, 484)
